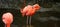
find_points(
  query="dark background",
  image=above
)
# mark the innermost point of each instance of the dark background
(41, 18)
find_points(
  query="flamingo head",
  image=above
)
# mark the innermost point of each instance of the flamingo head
(36, 6)
(7, 18)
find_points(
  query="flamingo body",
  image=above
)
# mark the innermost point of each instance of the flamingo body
(30, 12)
(26, 10)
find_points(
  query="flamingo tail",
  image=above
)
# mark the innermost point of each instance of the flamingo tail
(21, 10)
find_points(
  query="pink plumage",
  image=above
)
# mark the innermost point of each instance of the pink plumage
(7, 18)
(30, 10)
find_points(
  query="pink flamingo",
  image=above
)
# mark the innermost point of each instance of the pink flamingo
(29, 11)
(7, 18)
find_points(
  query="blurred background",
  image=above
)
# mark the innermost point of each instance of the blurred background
(47, 16)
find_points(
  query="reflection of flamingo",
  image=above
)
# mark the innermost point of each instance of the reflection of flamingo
(7, 18)
(29, 11)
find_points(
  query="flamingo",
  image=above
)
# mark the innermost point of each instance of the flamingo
(29, 8)
(25, 11)
(7, 18)
(29, 11)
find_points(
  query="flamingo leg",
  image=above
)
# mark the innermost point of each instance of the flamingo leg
(30, 21)
(27, 21)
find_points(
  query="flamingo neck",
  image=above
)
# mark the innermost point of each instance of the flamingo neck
(7, 25)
